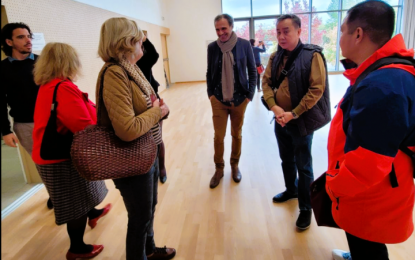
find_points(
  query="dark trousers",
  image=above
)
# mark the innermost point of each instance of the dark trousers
(140, 198)
(258, 81)
(295, 154)
(361, 249)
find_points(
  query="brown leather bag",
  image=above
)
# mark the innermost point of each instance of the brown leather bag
(98, 154)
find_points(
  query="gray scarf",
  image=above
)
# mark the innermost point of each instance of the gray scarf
(227, 66)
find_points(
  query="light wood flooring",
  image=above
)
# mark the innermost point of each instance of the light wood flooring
(230, 222)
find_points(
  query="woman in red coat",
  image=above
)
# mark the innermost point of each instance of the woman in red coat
(73, 197)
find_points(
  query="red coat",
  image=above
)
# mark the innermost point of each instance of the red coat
(364, 202)
(75, 111)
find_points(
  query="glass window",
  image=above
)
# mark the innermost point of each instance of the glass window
(319, 22)
(305, 27)
(265, 7)
(237, 8)
(324, 34)
(324, 5)
(294, 7)
(396, 21)
(265, 30)
(339, 51)
(347, 4)
(392, 2)
(241, 29)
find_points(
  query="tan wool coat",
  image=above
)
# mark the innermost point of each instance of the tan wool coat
(125, 107)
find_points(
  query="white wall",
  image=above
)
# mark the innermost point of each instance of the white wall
(191, 25)
(150, 11)
(78, 24)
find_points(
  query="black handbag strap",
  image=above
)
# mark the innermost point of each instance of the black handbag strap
(287, 66)
(101, 95)
(376, 65)
(54, 102)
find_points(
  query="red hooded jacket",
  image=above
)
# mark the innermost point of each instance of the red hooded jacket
(382, 115)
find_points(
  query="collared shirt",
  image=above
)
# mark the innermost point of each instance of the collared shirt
(31, 56)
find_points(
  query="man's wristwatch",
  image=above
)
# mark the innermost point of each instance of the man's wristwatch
(295, 116)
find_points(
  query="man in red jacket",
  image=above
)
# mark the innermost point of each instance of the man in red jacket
(365, 136)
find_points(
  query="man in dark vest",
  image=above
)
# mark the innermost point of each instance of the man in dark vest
(301, 106)
(18, 89)
(231, 78)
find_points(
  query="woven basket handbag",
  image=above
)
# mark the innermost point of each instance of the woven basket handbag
(98, 154)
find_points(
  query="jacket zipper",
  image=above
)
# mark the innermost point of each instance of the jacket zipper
(337, 198)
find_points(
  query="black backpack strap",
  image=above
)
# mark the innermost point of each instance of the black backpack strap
(287, 66)
(404, 148)
(376, 65)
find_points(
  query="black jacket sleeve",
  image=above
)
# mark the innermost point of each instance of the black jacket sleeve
(252, 72)
(209, 72)
(5, 123)
(151, 53)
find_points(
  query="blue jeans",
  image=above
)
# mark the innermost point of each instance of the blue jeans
(295, 154)
(140, 198)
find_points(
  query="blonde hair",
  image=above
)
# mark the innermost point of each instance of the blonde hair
(118, 38)
(57, 60)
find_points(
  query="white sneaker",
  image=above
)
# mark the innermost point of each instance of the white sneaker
(341, 255)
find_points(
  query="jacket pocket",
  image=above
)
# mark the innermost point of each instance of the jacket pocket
(332, 174)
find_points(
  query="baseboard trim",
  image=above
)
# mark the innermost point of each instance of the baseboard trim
(197, 81)
(27, 195)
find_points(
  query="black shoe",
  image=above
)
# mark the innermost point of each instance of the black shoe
(161, 253)
(49, 204)
(163, 175)
(163, 179)
(304, 219)
(284, 196)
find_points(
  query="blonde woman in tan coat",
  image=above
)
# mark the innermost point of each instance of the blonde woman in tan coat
(131, 109)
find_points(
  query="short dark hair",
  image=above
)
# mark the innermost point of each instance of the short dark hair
(7, 33)
(295, 19)
(225, 16)
(252, 41)
(376, 18)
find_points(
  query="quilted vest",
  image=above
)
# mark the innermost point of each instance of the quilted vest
(298, 83)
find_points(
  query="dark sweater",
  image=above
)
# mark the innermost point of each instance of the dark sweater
(19, 91)
(147, 62)
(245, 72)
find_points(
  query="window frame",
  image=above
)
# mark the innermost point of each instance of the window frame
(251, 20)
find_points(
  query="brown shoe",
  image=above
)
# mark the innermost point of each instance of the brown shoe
(216, 178)
(161, 253)
(236, 174)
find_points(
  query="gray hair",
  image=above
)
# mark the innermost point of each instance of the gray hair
(225, 16)
(295, 19)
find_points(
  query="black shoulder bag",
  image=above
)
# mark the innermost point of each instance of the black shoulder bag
(284, 72)
(55, 146)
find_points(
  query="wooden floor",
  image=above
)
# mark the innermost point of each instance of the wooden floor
(233, 221)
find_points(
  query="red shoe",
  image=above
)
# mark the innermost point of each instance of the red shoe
(97, 249)
(93, 222)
